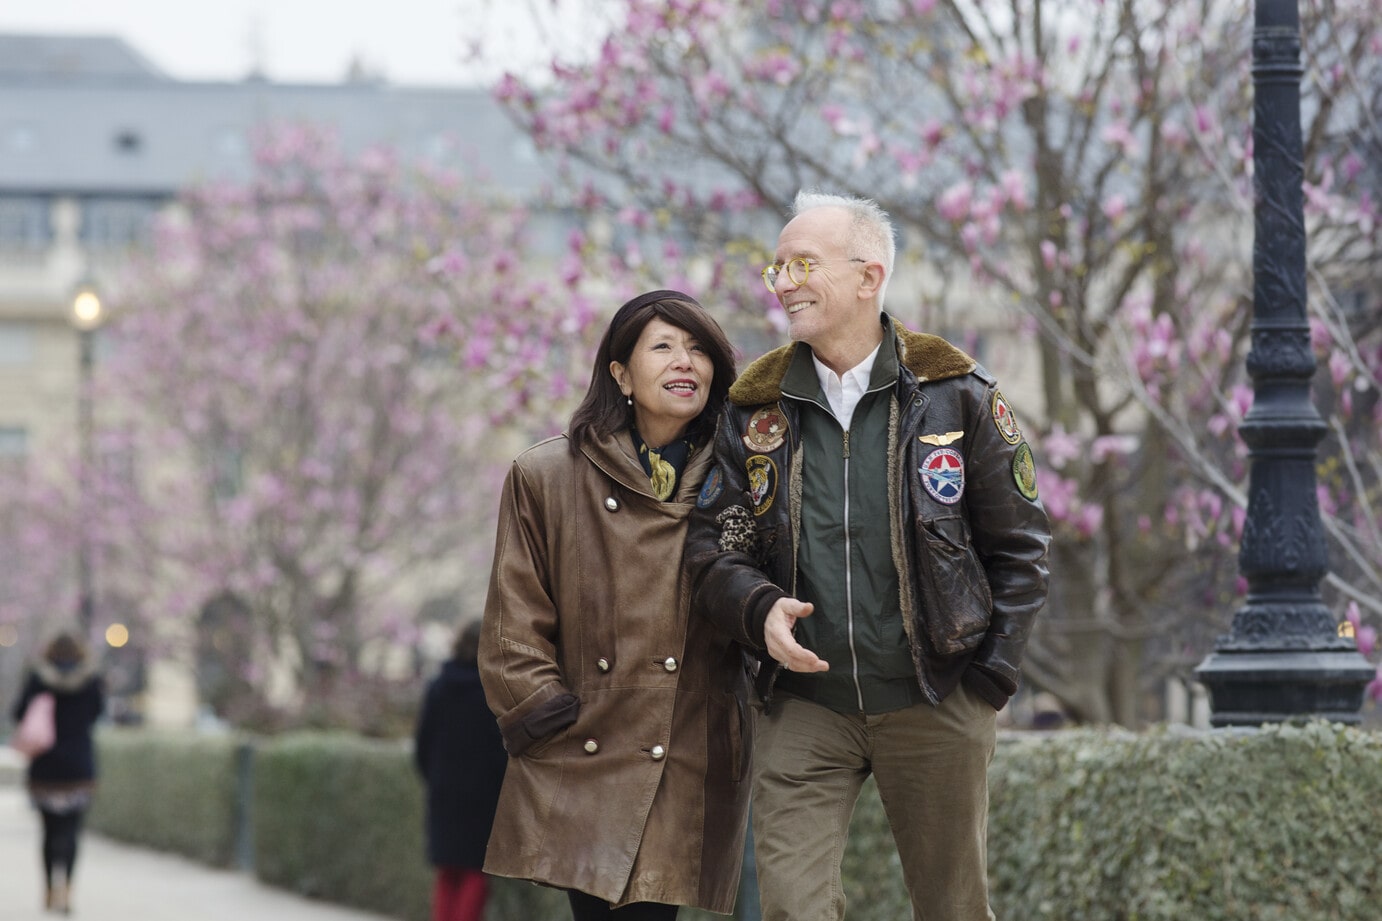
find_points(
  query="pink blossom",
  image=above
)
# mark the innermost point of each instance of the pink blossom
(1204, 120)
(1120, 136)
(955, 202)
(1367, 640)
(1339, 368)
(933, 132)
(1115, 206)
(1112, 446)
(1089, 520)
(1059, 447)
(1015, 189)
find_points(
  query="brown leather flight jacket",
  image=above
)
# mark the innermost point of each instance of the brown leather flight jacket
(968, 533)
(625, 720)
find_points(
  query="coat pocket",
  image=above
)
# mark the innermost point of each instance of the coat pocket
(958, 603)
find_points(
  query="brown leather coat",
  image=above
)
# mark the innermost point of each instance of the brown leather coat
(626, 721)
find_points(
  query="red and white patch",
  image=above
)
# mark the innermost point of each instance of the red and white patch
(1005, 419)
(943, 475)
(766, 431)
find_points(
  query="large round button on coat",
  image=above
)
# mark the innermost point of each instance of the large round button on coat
(658, 752)
(670, 664)
(602, 664)
(591, 746)
(612, 504)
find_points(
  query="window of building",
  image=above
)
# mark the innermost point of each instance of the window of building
(24, 222)
(113, 223)
(128, 141)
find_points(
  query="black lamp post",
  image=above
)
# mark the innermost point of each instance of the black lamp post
(86, 317)
(1283, 658)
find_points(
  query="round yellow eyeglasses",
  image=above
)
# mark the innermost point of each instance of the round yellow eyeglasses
(798, 270)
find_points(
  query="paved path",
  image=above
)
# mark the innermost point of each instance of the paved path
(116, 882)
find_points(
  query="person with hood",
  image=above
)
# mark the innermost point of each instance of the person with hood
(62, 779)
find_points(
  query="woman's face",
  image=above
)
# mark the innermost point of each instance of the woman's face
(668, 376)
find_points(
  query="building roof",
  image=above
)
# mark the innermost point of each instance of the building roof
(91, 116)
(48, 58)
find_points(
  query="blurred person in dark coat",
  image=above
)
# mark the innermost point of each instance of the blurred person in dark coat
(62, 779)
(460, 754)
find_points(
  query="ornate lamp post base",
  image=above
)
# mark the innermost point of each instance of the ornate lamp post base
(1251, 688)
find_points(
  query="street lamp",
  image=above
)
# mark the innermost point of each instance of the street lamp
(1283, 658)
(87, 314)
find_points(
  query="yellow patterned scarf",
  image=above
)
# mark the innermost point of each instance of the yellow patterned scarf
(663, 465)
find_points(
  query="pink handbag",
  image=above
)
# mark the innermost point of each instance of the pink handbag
(36, 732)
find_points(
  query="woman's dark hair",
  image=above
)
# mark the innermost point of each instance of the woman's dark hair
(466, 648)
(605, 410)
(65, 649)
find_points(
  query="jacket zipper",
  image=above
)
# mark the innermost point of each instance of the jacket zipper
(849, 586)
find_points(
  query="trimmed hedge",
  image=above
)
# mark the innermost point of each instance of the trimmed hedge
(1277, 824)
(168, 791)
(339, 817)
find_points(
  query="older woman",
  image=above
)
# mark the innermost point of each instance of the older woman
(624, 720)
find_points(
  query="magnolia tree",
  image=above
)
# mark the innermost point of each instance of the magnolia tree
(1083, 169)
(315, 380)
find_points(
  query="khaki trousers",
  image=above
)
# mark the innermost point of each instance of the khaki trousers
(931, 768)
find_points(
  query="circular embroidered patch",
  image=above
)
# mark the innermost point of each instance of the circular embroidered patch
(711, 488)
(1005, 419)
(1024, 471)
(766, 431)
(943, 475)
(762, 473)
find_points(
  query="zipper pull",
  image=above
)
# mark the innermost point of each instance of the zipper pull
(846, 444)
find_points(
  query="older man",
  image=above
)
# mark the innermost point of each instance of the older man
(873, 529)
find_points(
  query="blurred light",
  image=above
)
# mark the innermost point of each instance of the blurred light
(1346, 629)
(8, 635)
(86, 309)
(117, 635)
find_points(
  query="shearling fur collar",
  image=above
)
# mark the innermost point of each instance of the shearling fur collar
(928, 357)
(65, 680)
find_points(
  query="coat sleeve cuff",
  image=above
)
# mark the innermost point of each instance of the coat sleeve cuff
(542, 722)
(756, 613)
(981, 682)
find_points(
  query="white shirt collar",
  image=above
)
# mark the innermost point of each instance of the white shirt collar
(844, 392)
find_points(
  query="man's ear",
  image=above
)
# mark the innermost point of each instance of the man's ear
(872, 280)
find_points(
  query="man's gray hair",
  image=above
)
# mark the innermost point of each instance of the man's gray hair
(870, 228)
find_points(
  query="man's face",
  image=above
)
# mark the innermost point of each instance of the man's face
(827, 305)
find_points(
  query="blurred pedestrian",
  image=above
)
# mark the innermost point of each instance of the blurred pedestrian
(458, 751)
(626, 723)
(62, 779)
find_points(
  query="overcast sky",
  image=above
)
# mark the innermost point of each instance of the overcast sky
(405, 41)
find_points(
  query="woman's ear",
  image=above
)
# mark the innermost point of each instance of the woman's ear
(621, 376)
